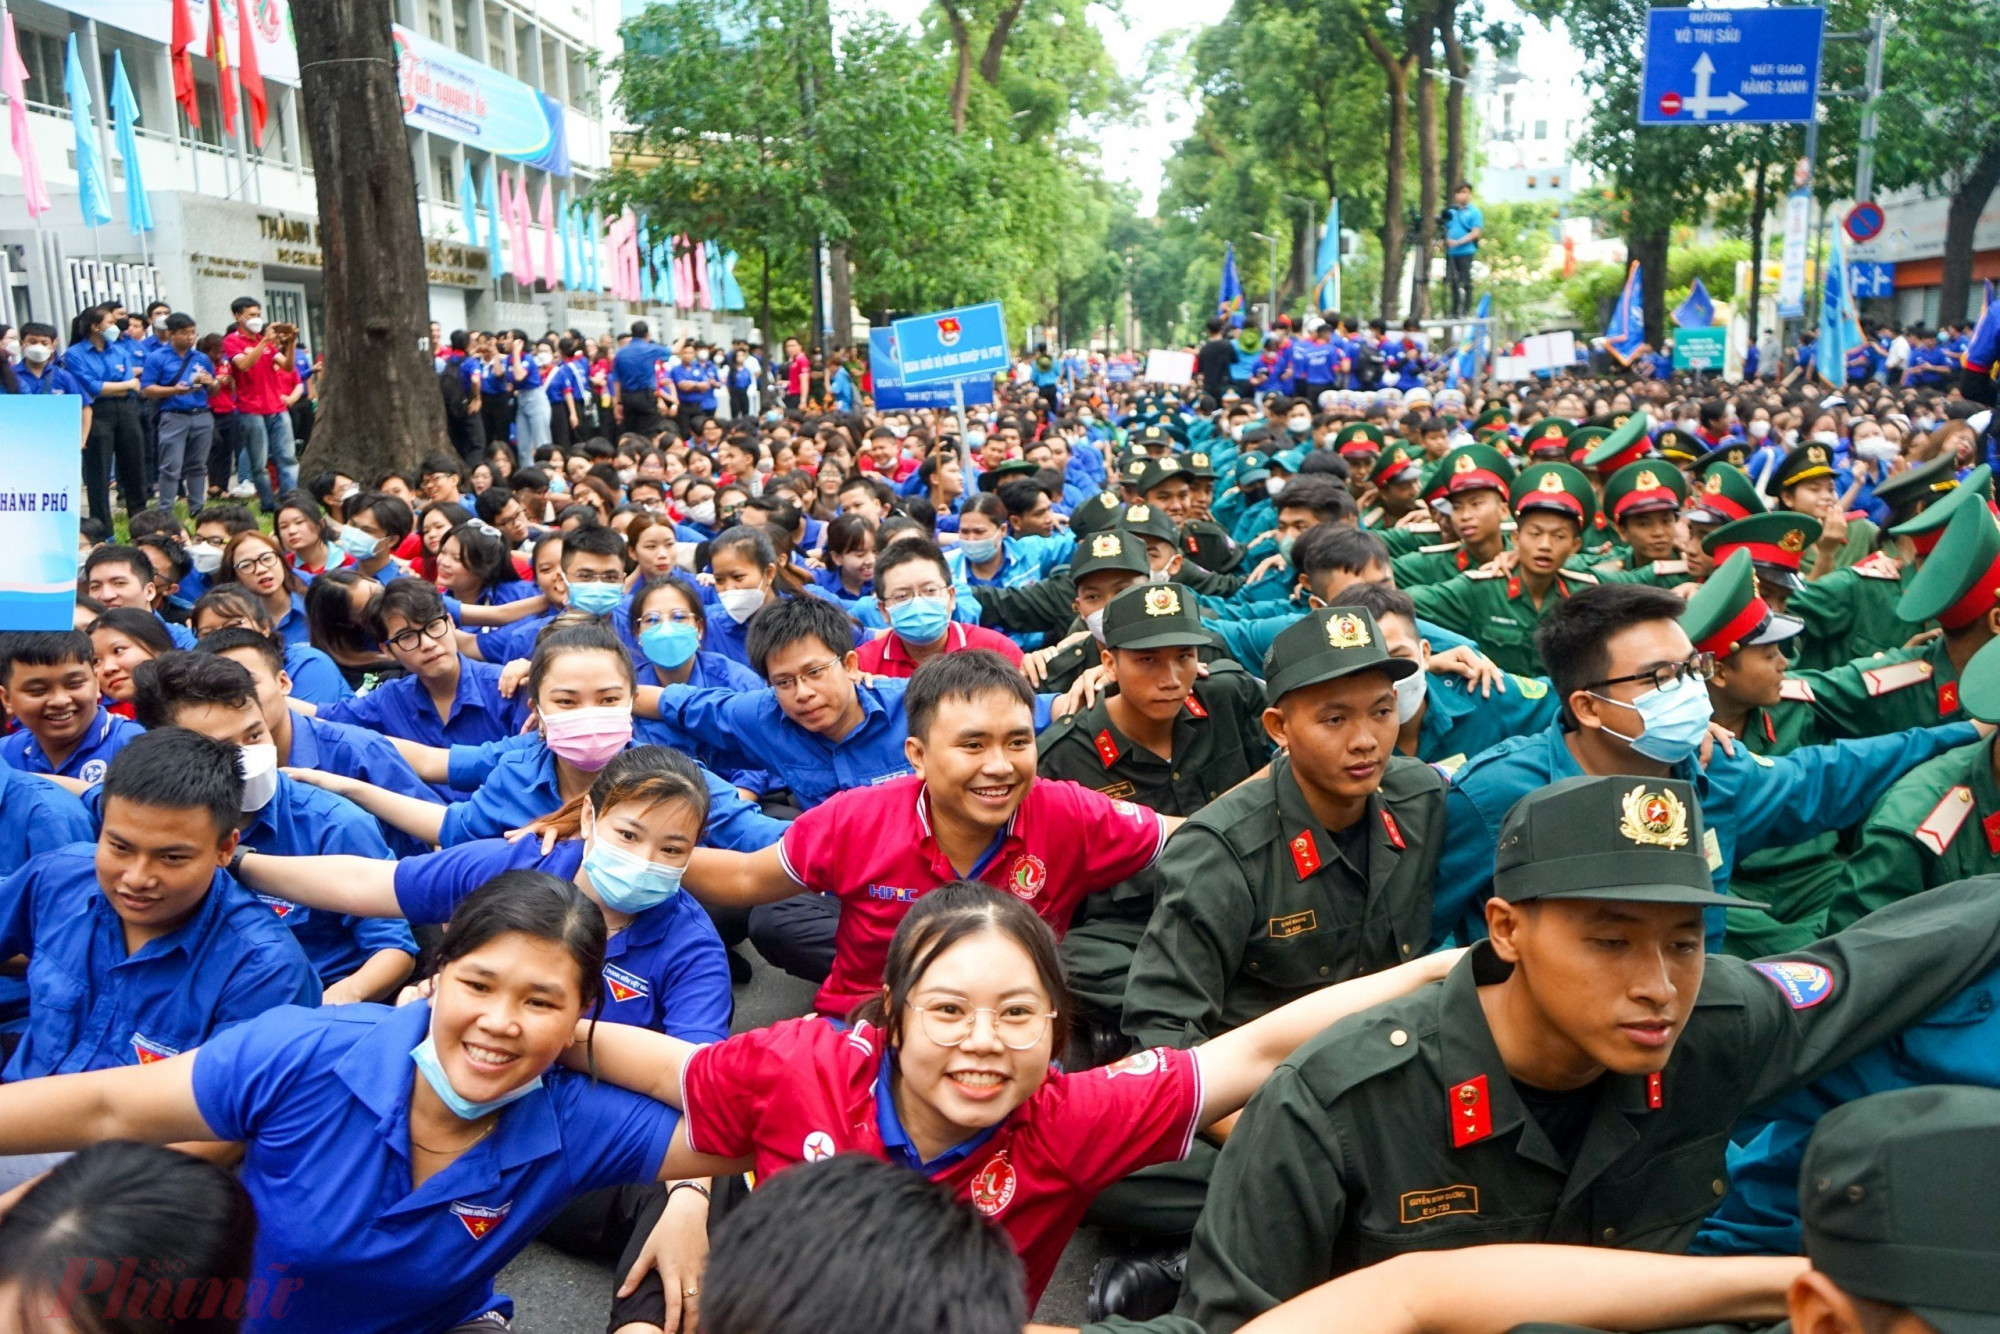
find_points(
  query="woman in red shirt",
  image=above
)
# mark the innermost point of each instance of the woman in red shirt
(798, 372)
(950, 1072)
(222, 405)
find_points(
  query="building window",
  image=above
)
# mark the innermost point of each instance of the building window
(1531, 182)
(434, 21)
(461, 29)
(43, 55)
(1555, 183)
(447, 179)
(1541, 129)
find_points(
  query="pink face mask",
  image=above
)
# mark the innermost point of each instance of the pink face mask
(588, 738)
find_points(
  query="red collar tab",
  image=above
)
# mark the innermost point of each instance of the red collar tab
(1389, 827)
(1107, 749)
(1947, 698)
(1654, 1098)
(1471, 1112)
(1194, 706)
(1305, 854)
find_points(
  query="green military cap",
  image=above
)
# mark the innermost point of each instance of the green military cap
(1111, 549)
(1395, 464)
(1926, 528)
(1803, 463)
(1199, 466)
(1557, 487)
(1960, 578)
(1920, 485)
(1153, 434)
(1475, 468)
(1581, 442)
(1364, 437)
(1727, 613)
(1154, 616)
(1776, 540)
(1609, 421)
(1899, 1202)
(1624, 444)
(1325, 644)
(1639, 488)
(1098, 512)
(992, 478)
(1979, 684)
(1550, 435)
(1494, 414)
(1148, 521)
(1724, 493)
(1159, 470)
(1678, 446)
(1617, 839)
(1254, 466)
(1733, 452)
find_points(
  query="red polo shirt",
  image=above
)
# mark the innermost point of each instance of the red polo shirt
(260, 390)
(806, 1089)
(887, 655)
(872, 848)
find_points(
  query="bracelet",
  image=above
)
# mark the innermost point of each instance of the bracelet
(694, 1186)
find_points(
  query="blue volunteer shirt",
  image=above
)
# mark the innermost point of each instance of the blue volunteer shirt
(501, 644)
(1460, 223)
(93, 369)
(698, 373)
(168, 367)
(291, 627)
(322, 1099)
(665, 970)
(103, 738)
(52, 379)
(733, 730)
(515, 782)
(95, 1006)
(36, 817)
(316, 678)
(340, 748)
(478, 712)
(633, 368)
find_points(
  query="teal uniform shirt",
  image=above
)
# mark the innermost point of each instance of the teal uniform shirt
(1459, 722)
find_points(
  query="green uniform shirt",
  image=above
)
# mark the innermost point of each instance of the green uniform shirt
(1495, 610)
(1208, 544)
(1657, 574)
(1852, 613)
(1261, 904)
(1939, 823)
(1403, 541)
(1431, 565)
(1347, 1154)
(1798, 880)
(1909, 687)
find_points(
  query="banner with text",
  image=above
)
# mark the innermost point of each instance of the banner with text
(270, 21)
(40, 498)
(960, 344)
(885, 371)
(456, 97)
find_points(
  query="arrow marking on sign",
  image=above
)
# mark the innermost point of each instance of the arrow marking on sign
(1701, 103)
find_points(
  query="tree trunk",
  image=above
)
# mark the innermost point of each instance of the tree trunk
(379, 405)
(764, 305)
(1650, 249)
(842, 282)
(1759, 202)
(1967, 203)
(1454, 98)
(961, 80)
(1396, 76)
(1427, 167)
(996, 43)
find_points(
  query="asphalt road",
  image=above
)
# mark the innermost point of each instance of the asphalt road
(556, 1293)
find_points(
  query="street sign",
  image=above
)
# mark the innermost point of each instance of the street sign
(1731, 66)
(960, 344)
(1792, 268)
(1864, 221)
(886, 373)
(1700, 349)
(1867, 278)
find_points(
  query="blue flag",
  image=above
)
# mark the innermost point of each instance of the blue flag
(593, 251)
(1326, 265)
(1627, 328)
(1229, 305)
(125, 114)
(1697, 312)
(1839, 323)
(732, 291)
(93, 197)
(566, 230)
(1465, 366)
(468, 201)
(493, 218)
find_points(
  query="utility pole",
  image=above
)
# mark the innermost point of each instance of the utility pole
(1871, 92)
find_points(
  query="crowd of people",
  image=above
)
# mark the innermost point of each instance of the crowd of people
(1392, 857)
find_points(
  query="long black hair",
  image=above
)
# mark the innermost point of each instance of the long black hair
(537, 905)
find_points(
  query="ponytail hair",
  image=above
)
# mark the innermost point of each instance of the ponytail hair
(651, 775)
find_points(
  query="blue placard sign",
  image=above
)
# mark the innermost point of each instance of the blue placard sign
(885, 372)
(1731, 66)
(40, 499)
(946, 345)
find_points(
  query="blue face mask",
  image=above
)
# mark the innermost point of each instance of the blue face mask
(1676, 720)
(462, 1107)
(626, 883)
(356, 543)
(980, 552)
(670, 643)
(596, 599)
(921, 620)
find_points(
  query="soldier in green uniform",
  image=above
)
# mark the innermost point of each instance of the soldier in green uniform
(1644, 501)
(1316, 872)
(1777, 541)
(1851, 613)
(1723, 493)
(1678, 447)
(1162, 737)
(1547, 441)
(1164, 484)
(1476, 478)
(1554, 508)
(1360, 444)
(1575, 1078)
(1106, 564)
(1205, 540)
(1397, 484)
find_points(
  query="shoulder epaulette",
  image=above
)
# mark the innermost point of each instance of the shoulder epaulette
(1439, 547)
(1797, 690)
(1584, 575)
(1943, 823)
(1878, 566)
(1896, 676)
(1669, 567)
(1483, 573)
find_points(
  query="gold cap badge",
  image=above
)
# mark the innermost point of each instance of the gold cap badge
(1106, 544)
(1714, 484)
(1794, 540)
(1348, 632)
(1163, 601)
(1550, 483)
(1645, 481)
(1466, 463)
(1138, 513)
(1657, 819)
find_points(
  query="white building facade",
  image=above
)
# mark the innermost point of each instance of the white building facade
(1530, 110)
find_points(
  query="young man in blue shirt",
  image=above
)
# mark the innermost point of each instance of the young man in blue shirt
(355, 959)
(175, 381)
(1463, 226)
(39, 371)
(635, 376)
(142, 945)
(48, 685)
(121, 576)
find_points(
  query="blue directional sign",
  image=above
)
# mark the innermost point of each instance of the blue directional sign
(1866, 278)
(1731, 66)
(885, 372)
(960, 344)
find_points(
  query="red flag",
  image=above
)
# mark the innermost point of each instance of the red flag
(218, 51)
(253, 77)
(183, 62)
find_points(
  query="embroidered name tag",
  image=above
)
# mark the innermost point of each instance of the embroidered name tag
(1296, 924)
(1420, 1206)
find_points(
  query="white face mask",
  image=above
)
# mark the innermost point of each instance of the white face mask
(160, 322)
(704, 512)
(255, 324)
(1758, 430)
(1273, 485)
(110, 334)
(1094, 621)
(260, 775)
(36, 353)
(1825, 438)
(1410, 693)
(13, 347)
(204, 558)
(545, 359)
(741, 603)
(1157, 576)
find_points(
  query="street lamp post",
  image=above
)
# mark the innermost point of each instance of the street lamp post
(1271, 266)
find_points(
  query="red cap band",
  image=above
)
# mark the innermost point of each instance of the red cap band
(1923, 542)
(1478, 479)
(1978, 600)
(1729, 637)
(1649, 495)
(1764, 553)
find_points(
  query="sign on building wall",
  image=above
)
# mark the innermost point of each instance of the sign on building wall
(270, 20)
(40, 499)
(456, 97)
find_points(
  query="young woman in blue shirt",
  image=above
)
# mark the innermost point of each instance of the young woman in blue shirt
(316, 678)
(453, 1135)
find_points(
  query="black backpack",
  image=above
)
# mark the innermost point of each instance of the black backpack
(1368, 365)
(457, 402)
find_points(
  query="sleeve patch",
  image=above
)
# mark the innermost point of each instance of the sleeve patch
(1803, 985)
(1941, 826)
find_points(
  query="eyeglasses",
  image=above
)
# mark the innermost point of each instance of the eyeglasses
(256, 563)
(785, 685)
(904, 598)
(1017, 1024)
(602, 577)
(1701, 667)
(653, 618)
(408, 639)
